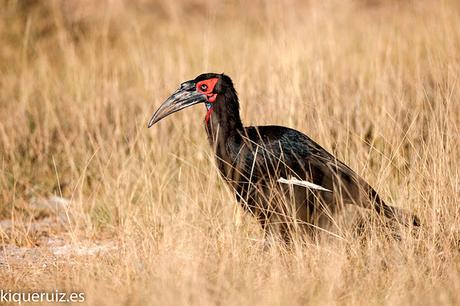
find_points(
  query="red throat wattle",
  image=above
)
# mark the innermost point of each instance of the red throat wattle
(207, 87)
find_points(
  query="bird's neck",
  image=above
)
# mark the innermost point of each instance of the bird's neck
(223, 123)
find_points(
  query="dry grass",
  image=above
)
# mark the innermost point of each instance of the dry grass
(377, 83)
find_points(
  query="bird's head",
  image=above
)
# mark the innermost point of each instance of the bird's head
(205, 88)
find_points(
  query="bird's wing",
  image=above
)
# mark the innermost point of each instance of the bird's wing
(288, 153)
(282, 152)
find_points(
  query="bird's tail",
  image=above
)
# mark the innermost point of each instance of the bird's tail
(399, 214)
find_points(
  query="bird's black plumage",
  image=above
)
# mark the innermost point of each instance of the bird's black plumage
(252, 159)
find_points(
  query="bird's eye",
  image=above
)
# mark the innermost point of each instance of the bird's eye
(204, 87)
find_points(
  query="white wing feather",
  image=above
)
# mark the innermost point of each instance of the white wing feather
(306, 184)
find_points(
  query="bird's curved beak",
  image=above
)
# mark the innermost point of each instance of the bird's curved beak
(185, 96)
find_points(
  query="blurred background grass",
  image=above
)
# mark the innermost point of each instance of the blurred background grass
(375, 82)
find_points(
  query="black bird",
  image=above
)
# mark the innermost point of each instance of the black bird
(258, 161)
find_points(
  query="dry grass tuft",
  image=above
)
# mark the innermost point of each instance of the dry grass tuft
(149, 221)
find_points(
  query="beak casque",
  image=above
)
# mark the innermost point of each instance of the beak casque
(185, 96)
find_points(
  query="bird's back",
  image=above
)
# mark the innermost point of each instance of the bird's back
(292, 153)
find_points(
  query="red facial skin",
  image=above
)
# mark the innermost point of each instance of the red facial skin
(208, 91)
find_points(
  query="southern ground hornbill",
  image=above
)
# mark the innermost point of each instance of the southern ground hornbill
(258, 161)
